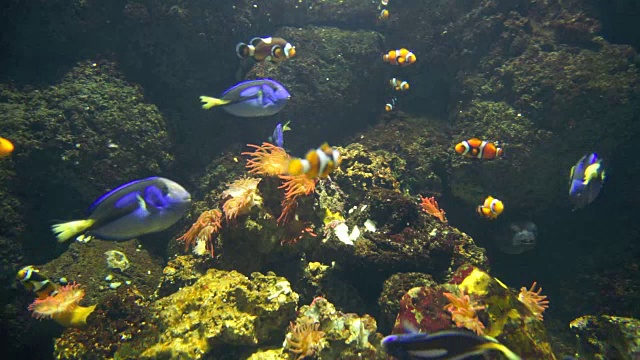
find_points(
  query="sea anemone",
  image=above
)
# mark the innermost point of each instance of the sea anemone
(295, 186)
(463, 312)
(533, 300)
(430, 206)
(305, 339)
(267, 159)
(201, 232)
(243, 195)
(62, 306)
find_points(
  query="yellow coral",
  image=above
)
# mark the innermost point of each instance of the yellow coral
(305, 339)
(242, 195)
(463, 312)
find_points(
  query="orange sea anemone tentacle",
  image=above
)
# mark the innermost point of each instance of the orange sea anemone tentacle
(267, 159)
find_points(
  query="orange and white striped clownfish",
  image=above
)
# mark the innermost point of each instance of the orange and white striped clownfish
(318, 163)
(476, 148)
(391, 105)
(383, 15)
(399, 85)
(402, 57)
(274, 49)
(491, 208)
(31, 279)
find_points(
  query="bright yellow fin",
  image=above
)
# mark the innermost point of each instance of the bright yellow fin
(76, 318)
(210, 102)
(499, 347)
(66, 231)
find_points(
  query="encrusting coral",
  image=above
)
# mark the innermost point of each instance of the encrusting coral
(201, 232)
(533, 300)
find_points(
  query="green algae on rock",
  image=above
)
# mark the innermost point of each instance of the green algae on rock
(607, 337)
(222, 308)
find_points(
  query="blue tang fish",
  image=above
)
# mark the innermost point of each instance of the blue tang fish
(586, 179)
(442, 345)
(262, 97)
(133, 209)
(278, 134)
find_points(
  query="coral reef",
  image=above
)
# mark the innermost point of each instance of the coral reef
(607, 337)
(344, 336)
(119, 327)
(494, 311)
(85, 263)
(222, 308)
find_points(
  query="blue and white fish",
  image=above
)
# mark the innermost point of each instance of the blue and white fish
(586, 179)
(137, 208)
(278, 134)
(442, 345)
(262, 97)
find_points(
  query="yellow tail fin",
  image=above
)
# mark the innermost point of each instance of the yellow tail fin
(67, 230)
(499, 347)
(210, 102)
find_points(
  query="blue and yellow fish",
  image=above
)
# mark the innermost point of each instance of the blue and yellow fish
(586, 179)
(442, 345)
(318, 163)
(137, 208)
(278, 134)
(262, 97)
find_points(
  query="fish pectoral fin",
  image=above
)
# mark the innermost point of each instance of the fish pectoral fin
(66, 231)
(209, 102)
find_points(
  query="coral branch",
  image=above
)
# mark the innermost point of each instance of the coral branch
(430, 206)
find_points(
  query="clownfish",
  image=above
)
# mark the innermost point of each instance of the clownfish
(32, 280)
(402, 57)
(383, 15)
(6, 147)
(390, 105)
(476, 148)
(491, 208)
(318, 163)
(399, 85)
(274, 49)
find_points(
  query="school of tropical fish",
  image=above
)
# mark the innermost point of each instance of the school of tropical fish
(144, 206)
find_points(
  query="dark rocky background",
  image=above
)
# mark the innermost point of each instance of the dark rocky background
(75, 75)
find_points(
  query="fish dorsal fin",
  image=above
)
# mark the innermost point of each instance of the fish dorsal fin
(102, 198)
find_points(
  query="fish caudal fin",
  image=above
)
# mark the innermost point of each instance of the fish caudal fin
(210, 102)
(501, 348)
(66, 231)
